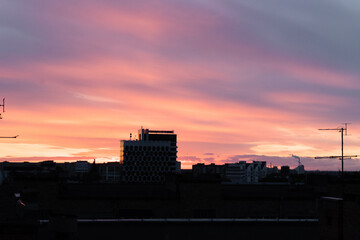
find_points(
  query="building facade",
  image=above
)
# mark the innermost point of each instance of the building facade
(150, 158)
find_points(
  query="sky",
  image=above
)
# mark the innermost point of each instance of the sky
(236, 79)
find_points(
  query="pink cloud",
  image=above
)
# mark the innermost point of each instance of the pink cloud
(87, 75)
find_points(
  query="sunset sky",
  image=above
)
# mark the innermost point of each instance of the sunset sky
(235, 79)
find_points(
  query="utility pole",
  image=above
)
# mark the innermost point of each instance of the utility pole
(342, 130)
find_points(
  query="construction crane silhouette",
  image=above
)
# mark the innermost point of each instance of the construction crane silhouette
(342, 130)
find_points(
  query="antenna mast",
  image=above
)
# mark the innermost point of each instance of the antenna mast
(341, 130)
(3, 110)
(3, 107)
(10, 137)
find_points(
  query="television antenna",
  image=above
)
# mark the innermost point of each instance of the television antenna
(3, 110)
(3, 107)
(342, 130)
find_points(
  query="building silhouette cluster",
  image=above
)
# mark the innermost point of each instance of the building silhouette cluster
(148, 195)
(150, 158)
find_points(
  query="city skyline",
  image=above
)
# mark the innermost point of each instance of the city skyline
(241, 80)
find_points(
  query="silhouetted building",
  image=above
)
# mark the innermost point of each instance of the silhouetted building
(26, 169)
(110, 172)
(285, 171)
(201, 169)
(255, 171)
(300, 169)
(82, 167)
(2, 174)
(273, 170)
(74, 170)
(149, 158)
(237, 173)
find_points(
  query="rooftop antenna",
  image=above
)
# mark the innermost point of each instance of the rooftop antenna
(3, 107)
(342, 130)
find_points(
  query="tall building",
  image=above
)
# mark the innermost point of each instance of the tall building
(150, 158)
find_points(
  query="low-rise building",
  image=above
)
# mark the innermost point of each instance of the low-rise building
(110, 172)
(201, 168)
(235, 173)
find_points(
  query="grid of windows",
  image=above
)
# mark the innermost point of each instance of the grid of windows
(148, 161)
(149, 158)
